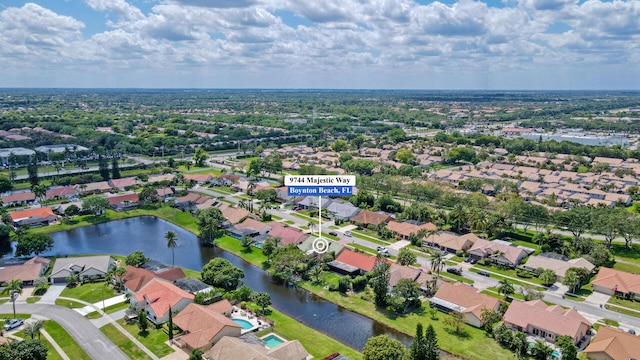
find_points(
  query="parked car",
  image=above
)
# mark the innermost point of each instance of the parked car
(456, 271)
(333, 233)
(484, 273)
(382, 249)
(297, 208)
(347, 233)
(13, 323)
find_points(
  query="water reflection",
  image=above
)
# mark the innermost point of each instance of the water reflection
(147, 234)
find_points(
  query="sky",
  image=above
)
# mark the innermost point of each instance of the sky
(341, 44)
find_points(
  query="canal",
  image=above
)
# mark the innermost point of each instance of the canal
(146, 233)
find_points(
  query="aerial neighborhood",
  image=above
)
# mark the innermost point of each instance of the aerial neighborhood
(491, 242)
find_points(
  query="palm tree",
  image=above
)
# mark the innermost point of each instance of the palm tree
(13, 288)
(40, 191)
(172, 243)
(505, 287)
(437, 261)
(33, 328)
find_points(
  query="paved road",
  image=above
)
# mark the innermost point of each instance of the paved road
(90, 338)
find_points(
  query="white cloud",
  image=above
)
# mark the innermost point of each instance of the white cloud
(387, 39)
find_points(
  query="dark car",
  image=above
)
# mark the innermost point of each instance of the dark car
(484, 273)
(454, 271)
(13, 323)
(333, 233)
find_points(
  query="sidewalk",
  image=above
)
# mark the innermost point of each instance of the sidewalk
(107, 302)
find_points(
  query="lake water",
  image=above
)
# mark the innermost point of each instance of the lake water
(146, 233)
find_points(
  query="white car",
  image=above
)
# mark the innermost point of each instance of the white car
(347, 233)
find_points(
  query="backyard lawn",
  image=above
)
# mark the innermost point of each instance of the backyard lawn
(69, 304)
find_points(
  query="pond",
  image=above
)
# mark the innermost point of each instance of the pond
(146, 233)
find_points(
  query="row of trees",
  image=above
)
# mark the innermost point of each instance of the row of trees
(423, 347)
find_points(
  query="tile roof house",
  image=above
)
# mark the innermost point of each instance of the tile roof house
(610, 281)
(500, 253)
(18, 198)
(311, 203)
(94, 187)
(405, 229)
(203, 326)
(124, 202)
(157, 296)
(367, 217)
(450, 242)
(27, 272)
(198, 178)
(135, 278)
(83, 266)
(234, 215)
(251, 227)
(356, 262)
(613, 344)
(33, 217)
(164, 192)
(59, 192)
(236, 349)
(398, 272)
(287, 235)
(465, 299)
(160, 178)
(122, 184)
(342, 210)
(189, 201)
(558, 266)
(548, 322)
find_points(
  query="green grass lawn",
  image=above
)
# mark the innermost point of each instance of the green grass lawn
(627, 267)
(232, 245)
(631, 304)
(373, 238)
(52, 354)
(109, 310)
(33, 299)
(154, 339)
(304, 217)
(509, 273)
(123, 342)
(475, 345)
(65, 341)
(317, 344)
(69, 304)
(91, 293)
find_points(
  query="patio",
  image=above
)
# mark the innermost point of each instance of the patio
(258, 322)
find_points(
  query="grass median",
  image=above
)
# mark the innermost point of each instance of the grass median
(65, 341)
(153, 339)
(124, 343)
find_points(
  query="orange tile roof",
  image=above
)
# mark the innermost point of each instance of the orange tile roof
(198, 177)
(160, 295)
(287, 235)
(614, 279)
(253, 224)
(203, 323)
(135, 278)
(24, 272)
(42, 212)
(360, 260)
(406, 229)
(233, 214)
(553, 319)
(123, 198)
(369, 217)
(617, 344)
(21, 196)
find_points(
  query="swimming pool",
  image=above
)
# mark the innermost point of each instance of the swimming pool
(272, 340)
(244, 323)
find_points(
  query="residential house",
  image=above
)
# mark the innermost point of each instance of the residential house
(548, 322)
(33, 217)
(366, 218)
(94, 188)
(86, 267)
(498, 251)
(398, 272)
(124, 183)
(611, 282)
(464, 299)
(450, 242)
(559, 266)
(189, 201)
(406, 228)
(135, 278)
(249, 227)
(199, 179)
(235, 348)
(18, 198)
(234, 215)
(162, 178)
(287, 235)
(158, 296)
(311, 203)
(349, 262)
(613, 344)
(165, 193)
(27, 272)
(124, 202)
(226, 179)
(61, 192)
(342, 210)
(203, 326)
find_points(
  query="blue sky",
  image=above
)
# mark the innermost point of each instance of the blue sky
(382, 44)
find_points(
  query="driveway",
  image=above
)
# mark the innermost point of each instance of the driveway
(52, 294)
(89, 337)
